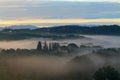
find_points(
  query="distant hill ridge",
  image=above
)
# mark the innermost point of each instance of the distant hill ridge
(76, 29)
(71, 29)
(22, 27)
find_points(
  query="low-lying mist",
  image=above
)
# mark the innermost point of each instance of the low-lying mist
(37, 64)
(53, 67)
(105, 41)
(36, 67)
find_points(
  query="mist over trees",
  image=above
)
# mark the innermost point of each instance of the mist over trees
(65, 62)
(56, 49)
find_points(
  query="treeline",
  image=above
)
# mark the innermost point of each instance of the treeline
(44, 48)
(56, 49)
(108, 52)
(51, 48)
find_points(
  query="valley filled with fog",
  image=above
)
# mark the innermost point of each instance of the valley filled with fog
(59, 39)
(104, 41)
(65, 59)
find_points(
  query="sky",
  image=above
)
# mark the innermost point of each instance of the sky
(59, 12)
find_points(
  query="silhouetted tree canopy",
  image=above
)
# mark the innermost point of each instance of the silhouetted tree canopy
(107, 73)
(73, 45)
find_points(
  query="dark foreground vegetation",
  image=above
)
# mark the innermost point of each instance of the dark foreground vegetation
(58, 32)
(57, 62)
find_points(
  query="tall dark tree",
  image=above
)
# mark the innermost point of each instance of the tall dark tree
(55, 46)
(107, 73)
(50, 46)
(39, 46)
(45, 47)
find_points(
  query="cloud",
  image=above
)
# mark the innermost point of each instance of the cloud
(59, 21)
(59, 10)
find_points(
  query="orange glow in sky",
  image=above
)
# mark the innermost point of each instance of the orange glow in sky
(58, 21)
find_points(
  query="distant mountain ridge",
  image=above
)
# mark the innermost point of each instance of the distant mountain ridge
(69, 29)
(1, 28)
(22, 27)
(76, 29)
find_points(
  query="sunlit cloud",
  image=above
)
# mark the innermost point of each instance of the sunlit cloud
(58, 21)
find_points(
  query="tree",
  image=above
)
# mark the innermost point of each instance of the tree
(50, 46)
(106, 73)
(39, 46)
(55, 46)
(45, 47)
(72, 47)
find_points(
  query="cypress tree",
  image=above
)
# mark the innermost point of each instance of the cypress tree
(39, 46)
(45, 47)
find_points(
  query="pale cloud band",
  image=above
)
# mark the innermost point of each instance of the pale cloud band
(59, 21)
